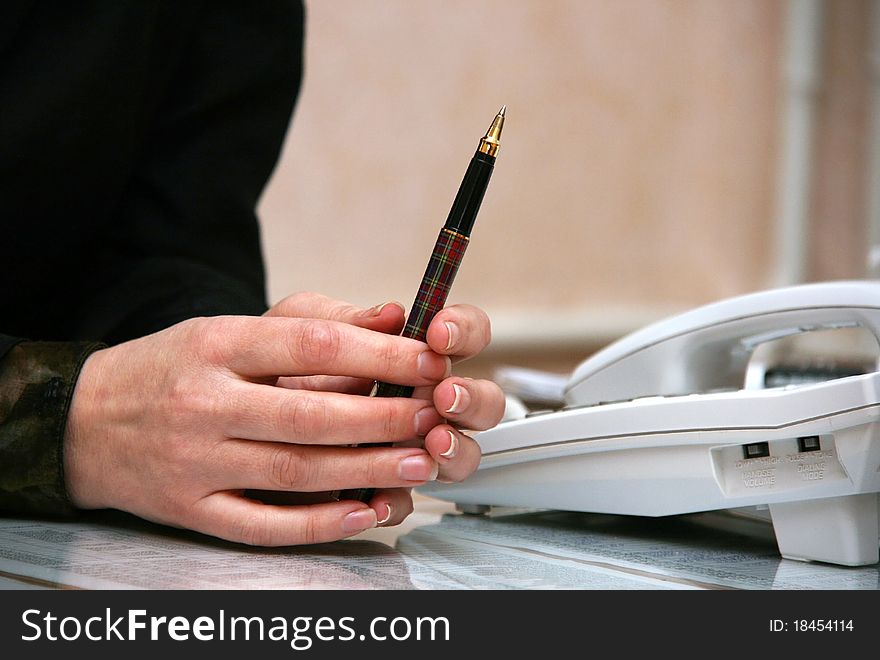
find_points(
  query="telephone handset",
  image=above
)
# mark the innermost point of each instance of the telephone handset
(708, 349)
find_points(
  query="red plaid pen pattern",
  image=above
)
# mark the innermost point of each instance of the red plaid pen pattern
(442, 267)
(431, 297)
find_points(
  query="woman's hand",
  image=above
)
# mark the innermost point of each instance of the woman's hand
(178, 426)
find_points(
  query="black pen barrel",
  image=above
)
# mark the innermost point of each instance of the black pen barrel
(470, 194)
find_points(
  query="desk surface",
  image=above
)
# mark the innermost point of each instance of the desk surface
(435, 548)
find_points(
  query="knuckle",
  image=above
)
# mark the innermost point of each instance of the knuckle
(299, 304)
(211, 337)
(176, 400)
(317, 342)
(305, 417)
(296, 300)
(178, 404)
(288, 469)
(196, 331)
(310, 297)
(190, 402)
(221, 339)
(255, 529)
(388, 356)
(284, 307)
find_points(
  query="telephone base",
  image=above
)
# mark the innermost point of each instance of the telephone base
(811, 454)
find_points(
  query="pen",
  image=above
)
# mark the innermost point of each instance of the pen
(445, 259)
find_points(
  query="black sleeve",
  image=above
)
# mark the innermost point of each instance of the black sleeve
(187, 241)
(184, 240)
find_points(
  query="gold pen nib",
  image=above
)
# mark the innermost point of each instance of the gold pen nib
(492, 140)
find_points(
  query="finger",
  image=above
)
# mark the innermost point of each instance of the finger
(235, 518)
(392, 506)
(457, 454)
(387, 317)
(461, 331)
(343, 384)
(469, 403)
(260, 412)
(241, 464)
(261, 347)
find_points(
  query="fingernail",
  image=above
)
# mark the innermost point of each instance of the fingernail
(358, 521)
(426, 419)
(432, 366)
(375, 311)
(435, 472)
(417, 468)
(387, 515)
(453, 446)
(452, 329)
(462, 400)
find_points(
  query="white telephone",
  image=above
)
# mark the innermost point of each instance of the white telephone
(681, 434)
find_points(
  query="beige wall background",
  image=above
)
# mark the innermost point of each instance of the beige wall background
(637, 174)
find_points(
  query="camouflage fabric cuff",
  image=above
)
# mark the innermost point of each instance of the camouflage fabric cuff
(36, 385)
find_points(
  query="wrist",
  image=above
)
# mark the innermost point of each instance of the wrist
(81, 465)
